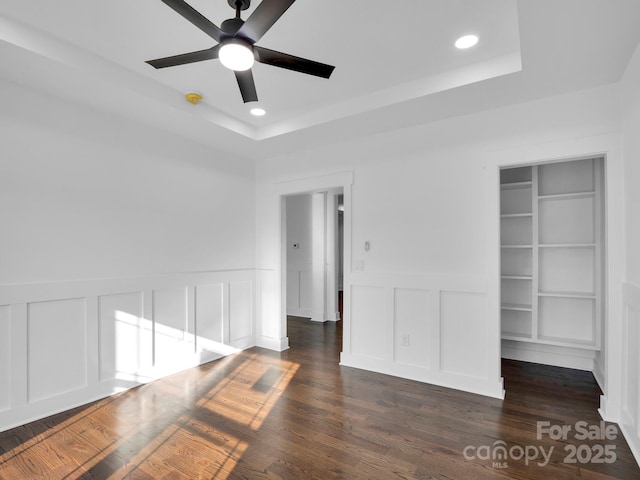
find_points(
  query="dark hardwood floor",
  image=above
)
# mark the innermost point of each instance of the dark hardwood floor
(298, 415)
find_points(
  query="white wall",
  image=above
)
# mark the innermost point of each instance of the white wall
(125, 254)
(299, 215)
(630, 328)
(425, 198)
(631, 127)
(87, 195)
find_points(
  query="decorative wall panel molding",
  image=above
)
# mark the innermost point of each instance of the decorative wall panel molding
(429, 328)
(241, 310)
(126, 337)
(630, 421)
(299, 290)
(464, 333)
(209, 319)
(369, 321)
(56, 347)
(170, 326)
(414, 322)
(5, 357)
(65, 344)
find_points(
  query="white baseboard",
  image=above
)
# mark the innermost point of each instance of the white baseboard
(275, 344)
(333, 317)
(598, 374)
(299, 312)
(479, 386)
(578, 359)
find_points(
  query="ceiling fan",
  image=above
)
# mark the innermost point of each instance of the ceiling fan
(236, 47)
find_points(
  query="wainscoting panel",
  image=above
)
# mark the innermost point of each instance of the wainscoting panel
(299, 290)
(240, 313)
(630, 421)
(65, 344)
(170, 312)
(56, 347)
(210, 312)
(170, 325)
(306, 290)
(413, 327)
(293, 291)
(5, 357)
(630, 393)
(369, 320)
(430, 328)
(126, 337)
(463, 333)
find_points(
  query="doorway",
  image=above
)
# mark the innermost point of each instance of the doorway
(552, 281)
(313, 240)
(340, 183)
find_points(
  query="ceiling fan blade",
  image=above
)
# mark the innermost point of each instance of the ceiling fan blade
(184, 58)
(247, 86)
(189, 13)
(263, 18)
(297, 64)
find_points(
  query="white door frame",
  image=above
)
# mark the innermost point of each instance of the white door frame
(344, 181)
(609, 147)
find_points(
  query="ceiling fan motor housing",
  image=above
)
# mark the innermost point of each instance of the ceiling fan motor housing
(244, 4)
(231, 26)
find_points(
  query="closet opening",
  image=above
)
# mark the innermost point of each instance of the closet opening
(552, 275)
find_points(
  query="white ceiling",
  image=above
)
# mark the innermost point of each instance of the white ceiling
(395, 62)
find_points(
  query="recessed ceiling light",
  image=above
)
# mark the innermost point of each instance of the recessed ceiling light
(467, 41)
(258, 112)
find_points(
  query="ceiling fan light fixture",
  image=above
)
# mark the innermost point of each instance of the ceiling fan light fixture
(236, 55)
(466, 41)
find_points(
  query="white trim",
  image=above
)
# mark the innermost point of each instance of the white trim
(106, 365)
(609, 147)
(321, 183)
(463, 383)
(598, 374)
(630, 404)
(578, 359)
(278, 345)
(476, 377)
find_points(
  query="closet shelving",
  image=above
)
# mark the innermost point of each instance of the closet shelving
(551, 253)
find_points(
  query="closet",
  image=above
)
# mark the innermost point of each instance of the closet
(551, 234)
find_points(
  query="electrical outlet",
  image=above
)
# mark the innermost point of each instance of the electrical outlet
(404, 339)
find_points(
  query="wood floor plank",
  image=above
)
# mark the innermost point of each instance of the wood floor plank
(298, 415)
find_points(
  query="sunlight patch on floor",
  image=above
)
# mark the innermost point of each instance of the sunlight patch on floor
(251, 391)
(185, 426)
